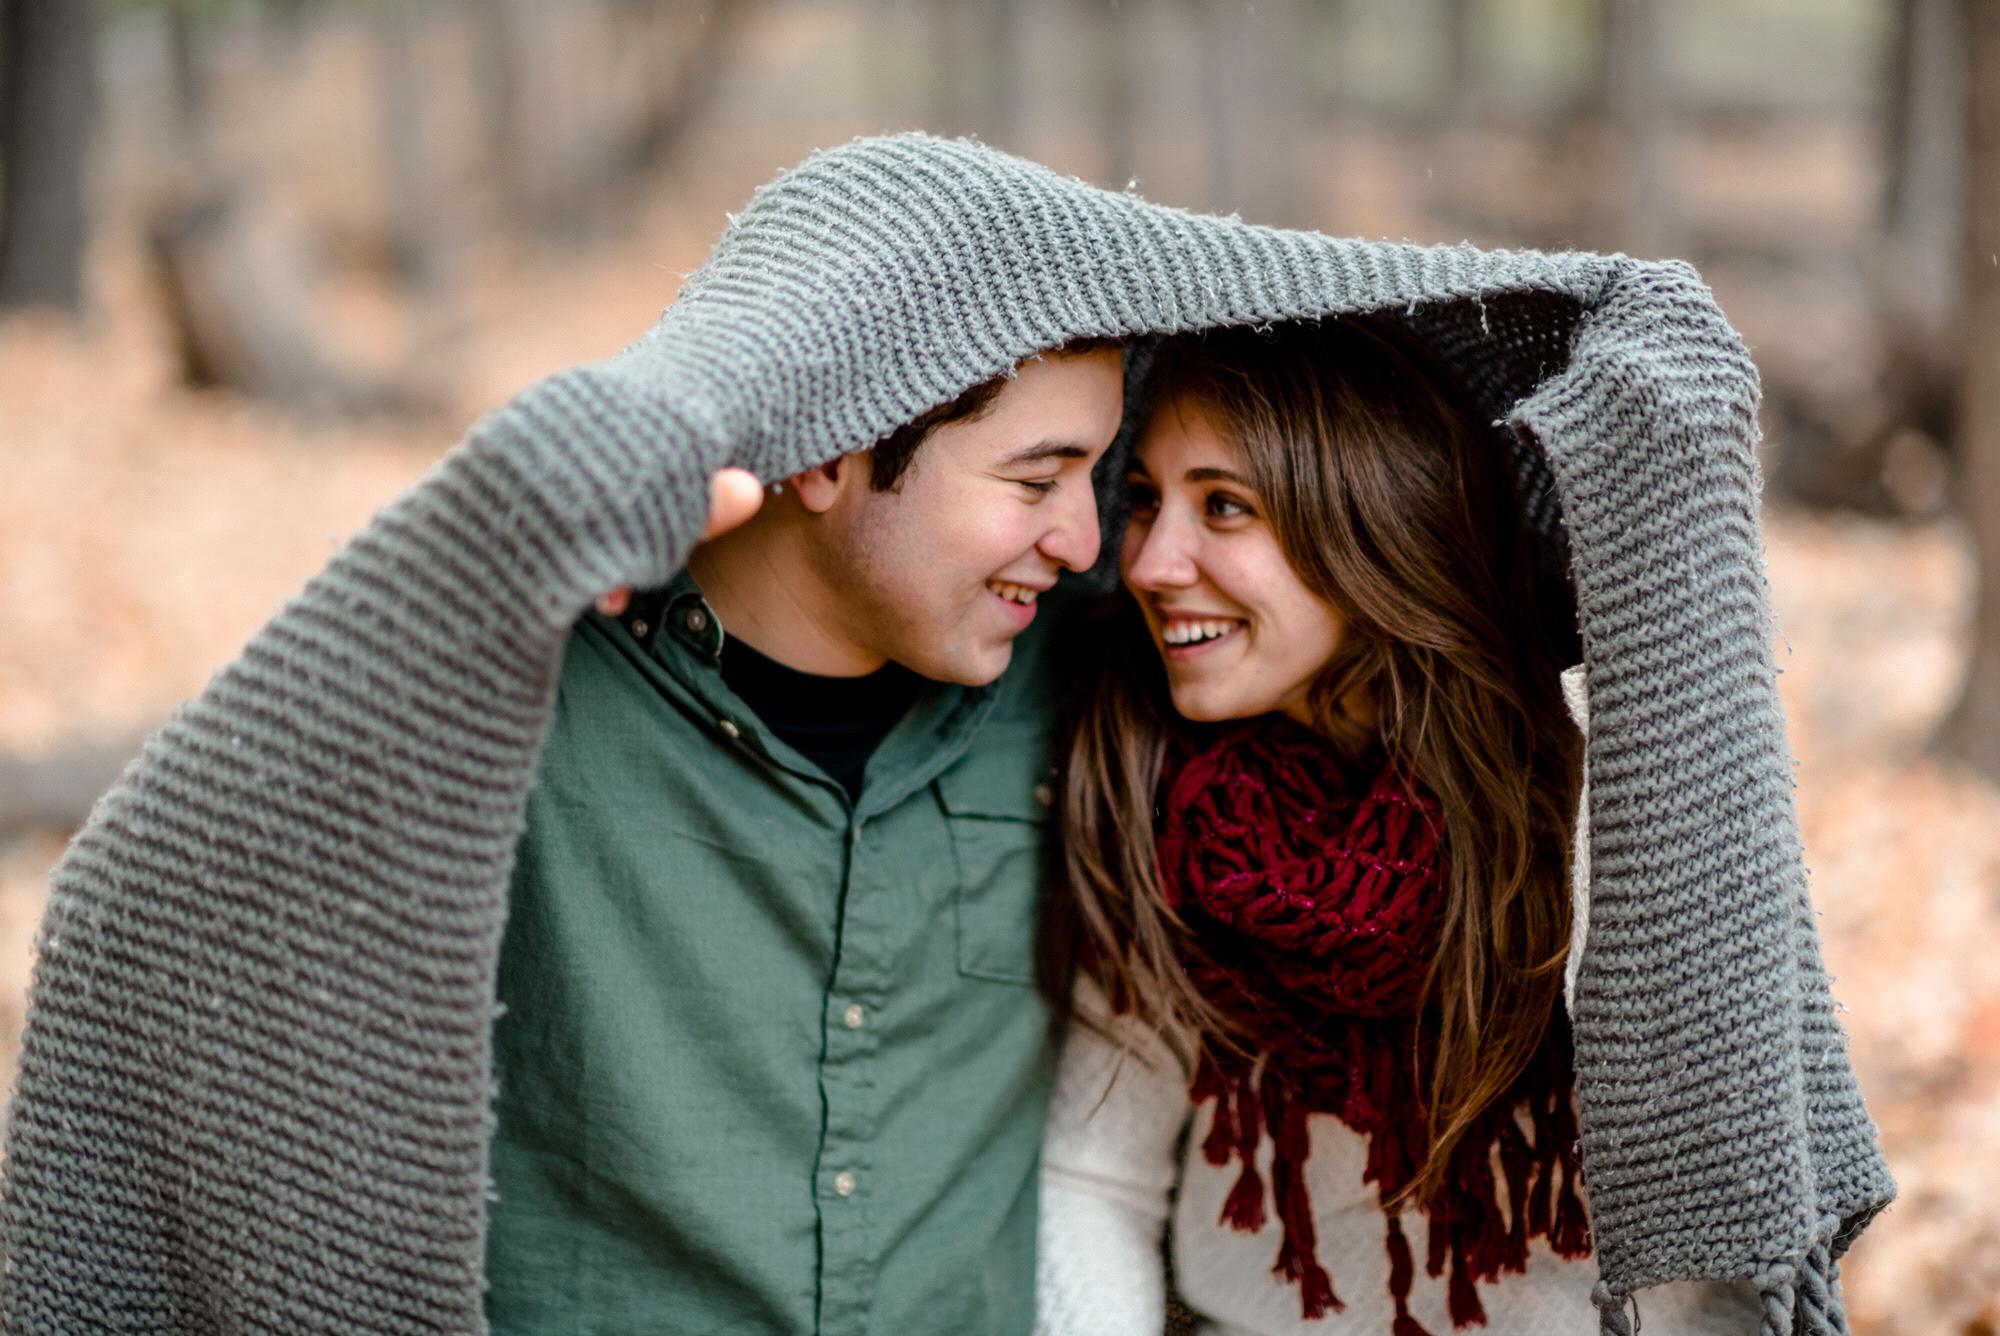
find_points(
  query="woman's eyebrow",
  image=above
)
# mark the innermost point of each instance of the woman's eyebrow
(1216, 475)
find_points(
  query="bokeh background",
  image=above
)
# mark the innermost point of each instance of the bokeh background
(262, 261)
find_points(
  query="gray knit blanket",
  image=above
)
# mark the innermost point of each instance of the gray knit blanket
(255, 1088)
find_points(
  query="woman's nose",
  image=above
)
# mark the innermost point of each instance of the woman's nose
(1158, 556)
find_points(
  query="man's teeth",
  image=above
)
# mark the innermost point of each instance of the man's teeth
(1013, 593)
(1187, 633)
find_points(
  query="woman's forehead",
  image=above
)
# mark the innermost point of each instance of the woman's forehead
(1188, 429)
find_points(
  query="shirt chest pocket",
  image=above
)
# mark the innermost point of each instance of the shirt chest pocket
(997, 811)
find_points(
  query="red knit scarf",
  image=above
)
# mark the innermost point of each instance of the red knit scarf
(1316, 893)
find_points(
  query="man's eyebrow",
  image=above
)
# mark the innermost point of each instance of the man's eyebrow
(1041, 450)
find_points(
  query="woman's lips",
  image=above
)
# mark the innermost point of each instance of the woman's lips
(1181, 652)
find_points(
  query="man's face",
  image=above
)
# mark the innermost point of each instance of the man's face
(942, 572)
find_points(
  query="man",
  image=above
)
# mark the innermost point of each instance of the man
(771, 1058)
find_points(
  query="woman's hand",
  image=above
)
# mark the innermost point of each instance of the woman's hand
(733, 497)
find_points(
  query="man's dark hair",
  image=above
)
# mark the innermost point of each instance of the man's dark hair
(894, 452)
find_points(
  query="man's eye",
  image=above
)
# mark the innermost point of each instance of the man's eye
(1039, 488)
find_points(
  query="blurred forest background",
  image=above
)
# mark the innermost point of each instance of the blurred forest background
(262, 261)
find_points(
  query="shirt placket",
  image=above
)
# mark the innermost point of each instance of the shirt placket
(846, 1183)
(883, 853)
(847, 1176)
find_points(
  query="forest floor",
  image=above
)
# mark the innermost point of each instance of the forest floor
(146, 530)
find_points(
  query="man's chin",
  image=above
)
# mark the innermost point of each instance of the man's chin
(976, 667)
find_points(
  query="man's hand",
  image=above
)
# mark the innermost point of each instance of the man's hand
(733, 497)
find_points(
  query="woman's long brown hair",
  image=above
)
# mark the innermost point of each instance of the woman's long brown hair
(1395, 505)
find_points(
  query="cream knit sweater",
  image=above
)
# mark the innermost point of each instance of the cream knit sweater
(1120, 1158)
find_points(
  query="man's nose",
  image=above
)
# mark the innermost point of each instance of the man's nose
(1074, 541)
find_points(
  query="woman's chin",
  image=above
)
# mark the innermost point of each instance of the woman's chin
(1201, 708)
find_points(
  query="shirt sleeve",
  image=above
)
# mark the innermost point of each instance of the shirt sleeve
(1109, 1167)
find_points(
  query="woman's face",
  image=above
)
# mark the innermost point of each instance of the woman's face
(1240, 633)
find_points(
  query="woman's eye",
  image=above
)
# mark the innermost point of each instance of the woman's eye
(1141, 498)
(1223, 506)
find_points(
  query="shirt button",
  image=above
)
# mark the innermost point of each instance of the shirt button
(696, 620)
(729, 729)
(1045, 795)
(843, 1184)
(853, 1017)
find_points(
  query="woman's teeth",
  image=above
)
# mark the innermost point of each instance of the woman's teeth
(1013, 593)
(1188, 633)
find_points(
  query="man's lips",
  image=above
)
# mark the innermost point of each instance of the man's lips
(1016, 601)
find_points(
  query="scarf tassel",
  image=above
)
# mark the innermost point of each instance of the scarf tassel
(1570, 1232)
(1571, 1235)
(1244, 1210)
(1461, 1295)
(1298, 1259)
(1317, 888)
(1401, 1273)
(1517, 1164)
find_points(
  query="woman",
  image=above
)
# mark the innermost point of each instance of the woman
(1319, 809)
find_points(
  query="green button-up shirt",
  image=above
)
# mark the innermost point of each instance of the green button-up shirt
(769, 1061)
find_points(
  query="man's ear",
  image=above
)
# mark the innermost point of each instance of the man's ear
(818, 488)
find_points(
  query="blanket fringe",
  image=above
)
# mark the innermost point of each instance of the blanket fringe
(1611, 1319)
(1802, 1300)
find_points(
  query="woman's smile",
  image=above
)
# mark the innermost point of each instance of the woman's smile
(1240, 633)
(1183, 636)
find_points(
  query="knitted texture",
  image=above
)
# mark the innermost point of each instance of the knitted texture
(1312, 886)
(254, 1092)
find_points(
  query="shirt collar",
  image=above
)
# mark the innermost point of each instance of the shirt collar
(679, 631)
(676, 609)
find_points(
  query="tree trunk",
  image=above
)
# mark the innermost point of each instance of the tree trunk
(1872, 439)
(1254, 100)
(1004, 117)
(47, 110)
(945, 81)
(1460, 60)
(975, 69)
(496, 80)
(1110, 32)
(1915, 277)
(695, 51)
(236, 284)
(1223, 94)
(1633, 102)
(422, 217)
(1972, 732)
(416, 238)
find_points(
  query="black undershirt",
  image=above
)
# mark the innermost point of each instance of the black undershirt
(834, 722)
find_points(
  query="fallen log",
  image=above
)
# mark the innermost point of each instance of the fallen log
(56, 790)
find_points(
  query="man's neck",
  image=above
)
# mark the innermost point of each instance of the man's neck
(769, 594)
